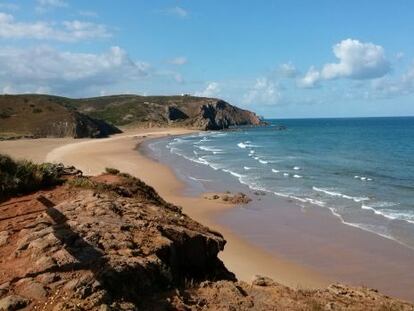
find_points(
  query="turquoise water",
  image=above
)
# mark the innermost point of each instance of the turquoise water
(360, 169)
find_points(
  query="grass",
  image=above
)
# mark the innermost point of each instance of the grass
(20, 177)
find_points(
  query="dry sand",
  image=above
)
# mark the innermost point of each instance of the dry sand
(92, 156)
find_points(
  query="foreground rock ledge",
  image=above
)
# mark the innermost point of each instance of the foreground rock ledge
(111, 243)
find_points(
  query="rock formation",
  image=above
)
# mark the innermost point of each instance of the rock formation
(52, 116)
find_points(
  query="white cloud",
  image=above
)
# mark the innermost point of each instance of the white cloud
(310, 79)
(356, 60)
(181, 60)
(177, 11)
(386, 87)
(44, 68)
(264, 92)
(211, 90)
(287, 70)
(67, 31)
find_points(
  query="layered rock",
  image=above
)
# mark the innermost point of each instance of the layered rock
(109, 241)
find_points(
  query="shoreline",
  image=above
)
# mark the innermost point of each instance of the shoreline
(92, 156)
(243, 256)
(308, 236)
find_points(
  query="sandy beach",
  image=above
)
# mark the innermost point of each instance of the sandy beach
(92, 156)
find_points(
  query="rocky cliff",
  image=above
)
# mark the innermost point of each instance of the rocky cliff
(47, 116)
(188, 111)
(112, 243)
(53, 116)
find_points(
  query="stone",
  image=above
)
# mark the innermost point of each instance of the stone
(34, 290)
(13, 302)
(47, 278)
(4, 236)
(45, 263)
(259, 280)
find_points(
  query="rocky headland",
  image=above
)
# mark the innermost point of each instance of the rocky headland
(36, 116)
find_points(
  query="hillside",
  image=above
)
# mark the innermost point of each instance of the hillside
(112, 243)
(53, 116)
(188, 111)
(47, 116)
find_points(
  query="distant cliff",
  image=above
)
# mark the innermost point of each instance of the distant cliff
(188, 111)
(53, 116)
(46, 116)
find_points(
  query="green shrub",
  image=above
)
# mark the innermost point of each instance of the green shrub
(112, 171)
(20, 177)
(81, 182)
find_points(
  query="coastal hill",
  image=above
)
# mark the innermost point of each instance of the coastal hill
(110, 242)
(52, 116)
(34, 116)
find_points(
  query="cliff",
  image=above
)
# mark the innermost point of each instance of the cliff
(53, 116)
(112, 243)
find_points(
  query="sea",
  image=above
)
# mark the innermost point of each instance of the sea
(360, 170)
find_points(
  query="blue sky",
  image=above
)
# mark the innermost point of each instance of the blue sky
(278, 58)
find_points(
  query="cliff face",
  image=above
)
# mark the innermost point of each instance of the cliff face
(53, 116)
(112, 243)
(218, 114)
(47, 116)
(189, 111)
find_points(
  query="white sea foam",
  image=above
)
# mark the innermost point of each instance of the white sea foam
(363, 178)
(246, 144)
(303, 200)
(296, 168)
(199, 179)
(275, 171)
(285, 174)
(297, 176)
(233, 173)
(247, 168)
(210, 149)
(263, 161)
(338, 194)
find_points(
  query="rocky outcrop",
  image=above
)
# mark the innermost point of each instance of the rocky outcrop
(218, 114)
(108, 241)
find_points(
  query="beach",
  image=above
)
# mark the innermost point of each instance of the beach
(92, 156)
(328, 250)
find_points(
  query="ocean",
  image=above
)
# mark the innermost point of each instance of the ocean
(359, 169)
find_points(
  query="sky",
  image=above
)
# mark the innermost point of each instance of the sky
(281, 59)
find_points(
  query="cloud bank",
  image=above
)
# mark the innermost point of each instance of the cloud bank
(356, 60)
(45, 68)
(66, 31)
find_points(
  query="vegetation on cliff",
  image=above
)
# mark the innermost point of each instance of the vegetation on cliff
(53, 116)
(20, 177)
